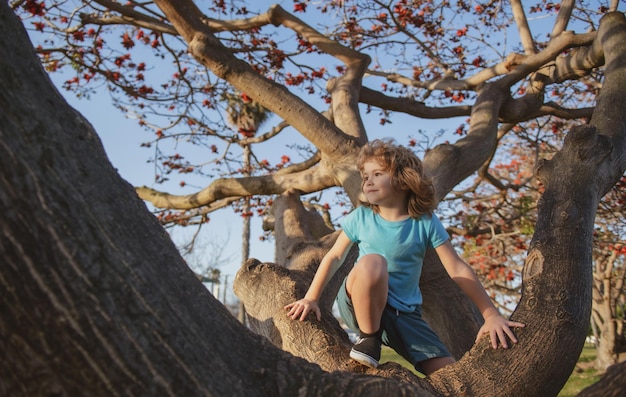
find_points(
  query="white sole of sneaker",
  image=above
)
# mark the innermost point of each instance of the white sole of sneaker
(363, 359)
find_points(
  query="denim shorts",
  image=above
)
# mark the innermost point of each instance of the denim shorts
(406, 333)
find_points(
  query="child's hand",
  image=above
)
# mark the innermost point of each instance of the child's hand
(498, 329)
(302, 308)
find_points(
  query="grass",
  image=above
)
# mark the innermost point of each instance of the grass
(584, 374)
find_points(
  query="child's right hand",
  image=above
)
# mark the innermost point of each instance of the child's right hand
(300, 309)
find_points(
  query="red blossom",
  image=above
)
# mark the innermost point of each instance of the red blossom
(247, 132)
(417, 72)
(78, 35)
(299, 7)
(277, 58)
(478, 61)
(294, 80)
(39, 26)
(145, 90)
(34, 7)
(127, 41)
(318, 73)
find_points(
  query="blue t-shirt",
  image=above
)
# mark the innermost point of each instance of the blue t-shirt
(402, 243)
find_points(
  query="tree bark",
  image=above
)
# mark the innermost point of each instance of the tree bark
(556, 299)
(97, 301)
(612, 384)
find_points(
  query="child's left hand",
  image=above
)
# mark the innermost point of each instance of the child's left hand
(498, 329)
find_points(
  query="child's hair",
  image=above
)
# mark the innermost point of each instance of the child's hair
(406, 172)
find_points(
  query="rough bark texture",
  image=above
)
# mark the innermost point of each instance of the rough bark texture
(556, 299)
(97, 301)
(612, 384)
(95, 298)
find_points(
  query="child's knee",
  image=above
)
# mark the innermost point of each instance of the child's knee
(374, 265)
(373, 260)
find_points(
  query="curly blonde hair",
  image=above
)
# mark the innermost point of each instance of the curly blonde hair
(406, 172)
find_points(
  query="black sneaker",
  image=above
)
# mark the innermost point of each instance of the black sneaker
(366, 351)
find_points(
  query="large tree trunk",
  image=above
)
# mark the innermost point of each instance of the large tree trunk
(556, 298)
(96, 300)
(612, 384)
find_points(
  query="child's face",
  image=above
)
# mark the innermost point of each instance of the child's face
(377, 184)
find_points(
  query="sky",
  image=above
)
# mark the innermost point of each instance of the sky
(122, 138)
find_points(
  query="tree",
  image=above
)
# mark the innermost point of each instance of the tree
(118, 296)
(496, 227)
(247, 116)
(609, 273)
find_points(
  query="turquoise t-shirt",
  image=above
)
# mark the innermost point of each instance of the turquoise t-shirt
(402, 243)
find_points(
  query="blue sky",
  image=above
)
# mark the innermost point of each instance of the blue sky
(122, 138)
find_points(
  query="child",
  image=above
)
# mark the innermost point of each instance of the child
(380, 297)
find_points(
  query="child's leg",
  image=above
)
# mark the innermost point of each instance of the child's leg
(411, 337)
(433, 364)
(367, 287)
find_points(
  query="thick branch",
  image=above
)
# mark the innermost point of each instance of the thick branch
(565, 14)
(310, 180)
(469, 153)
(209, 51)
(521, 21)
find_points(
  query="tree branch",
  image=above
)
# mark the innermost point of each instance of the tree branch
(307, 181)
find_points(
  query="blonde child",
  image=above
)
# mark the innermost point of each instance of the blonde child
(381, 297)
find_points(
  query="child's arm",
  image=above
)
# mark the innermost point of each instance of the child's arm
(327, 268)
(495, 325)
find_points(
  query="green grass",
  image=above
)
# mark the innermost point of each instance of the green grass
(584, 374)
(388, 354)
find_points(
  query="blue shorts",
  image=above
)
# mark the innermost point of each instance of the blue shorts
(406, 333)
